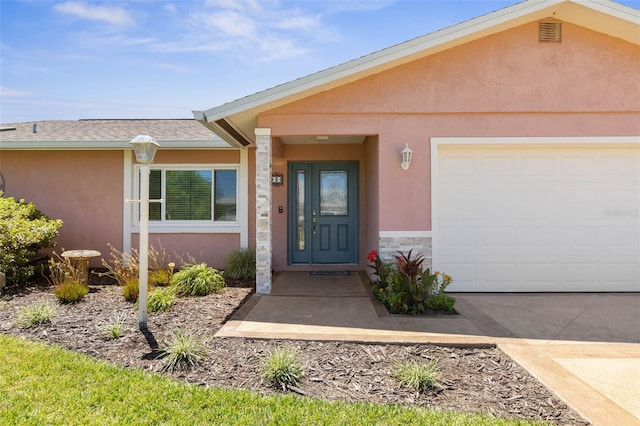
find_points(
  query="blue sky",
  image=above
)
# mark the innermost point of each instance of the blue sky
(162, 59)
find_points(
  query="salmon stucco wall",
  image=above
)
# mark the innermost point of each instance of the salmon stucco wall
(213, 249)
(83, 188)
(507, 84)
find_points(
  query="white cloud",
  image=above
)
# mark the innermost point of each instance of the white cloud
(237, 5)
(171, 67)
(262, 30)
(110, 14)
(14, 93)
(231, 23)
(171, 8)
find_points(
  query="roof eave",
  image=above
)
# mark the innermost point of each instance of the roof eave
(108, 145)
(224, 129)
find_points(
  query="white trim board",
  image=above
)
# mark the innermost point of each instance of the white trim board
(404, 234)
(546, 141)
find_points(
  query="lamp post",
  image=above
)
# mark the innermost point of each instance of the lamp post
(145, 148)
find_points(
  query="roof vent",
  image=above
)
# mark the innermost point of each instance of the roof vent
(550, 31)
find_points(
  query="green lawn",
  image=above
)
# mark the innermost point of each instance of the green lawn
(40, 384)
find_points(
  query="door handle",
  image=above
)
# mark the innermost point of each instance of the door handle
(313, 221)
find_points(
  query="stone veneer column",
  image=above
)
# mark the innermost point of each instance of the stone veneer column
(263, 210)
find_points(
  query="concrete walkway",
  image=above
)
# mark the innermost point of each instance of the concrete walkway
(585, 347)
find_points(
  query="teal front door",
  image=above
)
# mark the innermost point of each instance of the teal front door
(323, 212)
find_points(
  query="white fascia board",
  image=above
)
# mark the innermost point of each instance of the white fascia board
(545, 140)
(612, 8)
(419, 47)
(108, 145)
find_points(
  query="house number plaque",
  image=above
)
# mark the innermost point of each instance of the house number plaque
(277, 179)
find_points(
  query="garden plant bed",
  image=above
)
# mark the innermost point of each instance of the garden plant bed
(476, 380)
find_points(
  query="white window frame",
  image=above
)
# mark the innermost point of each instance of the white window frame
(189, 226)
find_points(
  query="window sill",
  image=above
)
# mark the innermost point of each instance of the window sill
(232, 228)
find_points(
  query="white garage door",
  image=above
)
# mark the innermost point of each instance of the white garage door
(538, 219)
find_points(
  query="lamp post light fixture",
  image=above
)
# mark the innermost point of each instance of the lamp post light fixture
(145, 148)
(406, 157)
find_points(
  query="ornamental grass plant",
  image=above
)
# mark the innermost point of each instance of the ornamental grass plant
(241, 264)
(184, 350)
(281, 368)
(67, 281)
(161, 299)
(123, 267)
(37, 314)
(113, 328)
(197, 280)
(420, 377)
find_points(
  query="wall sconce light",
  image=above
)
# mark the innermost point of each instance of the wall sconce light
(406, 157)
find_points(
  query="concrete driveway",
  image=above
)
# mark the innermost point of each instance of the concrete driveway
(585, 347)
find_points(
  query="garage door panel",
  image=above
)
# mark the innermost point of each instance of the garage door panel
(621, 273)
(535, 273)
(538, 165)
(466, 271)
(579, 272)
(535, 202)
(574, 237)
(620, 165)
(459, 238)
(499, 237)
(537, 236)
(498, 201)
(460, 201)
(456, 165)
(491, 165)
(617, 236)
(499, 272)
(539, 219)
(577, 165)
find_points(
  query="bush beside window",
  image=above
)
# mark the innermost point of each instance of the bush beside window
(24, 230)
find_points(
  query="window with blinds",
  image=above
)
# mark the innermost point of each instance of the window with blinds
(202, 194)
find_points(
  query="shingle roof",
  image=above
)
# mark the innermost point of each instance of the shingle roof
(107, 130)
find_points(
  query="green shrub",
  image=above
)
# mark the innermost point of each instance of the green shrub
(241, 264)
(70, 291)
(407, 288)
(37, 314)
(114, 328)
(23, 231)
(183, 351)
(281, 368)
(441, 302)
(161, 299)
(419, 377)
(197, 280)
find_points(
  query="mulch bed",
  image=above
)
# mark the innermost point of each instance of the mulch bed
(476, 380)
